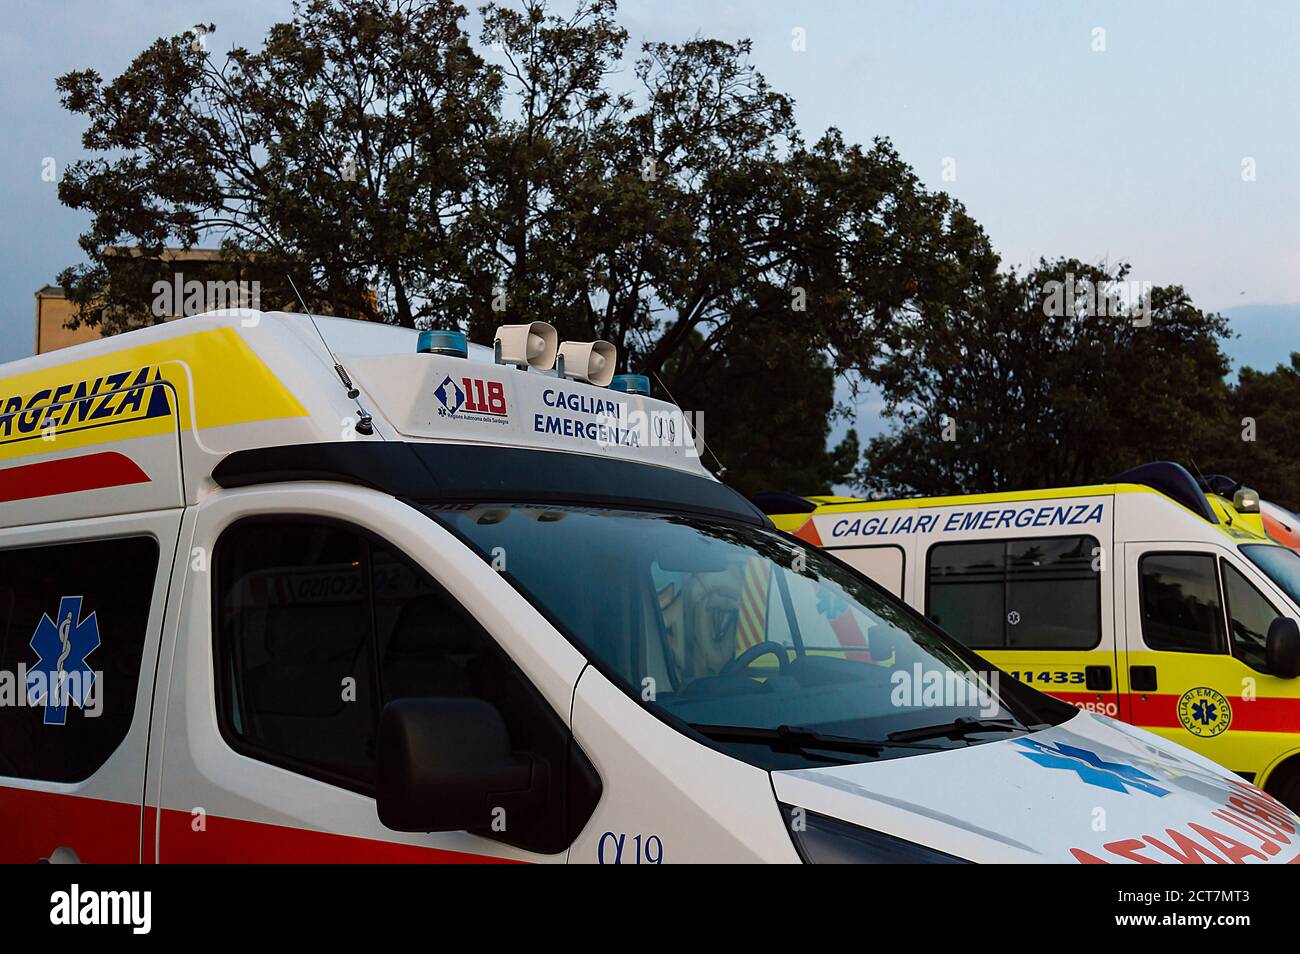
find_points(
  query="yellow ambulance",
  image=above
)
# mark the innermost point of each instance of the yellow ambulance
(1152, 599)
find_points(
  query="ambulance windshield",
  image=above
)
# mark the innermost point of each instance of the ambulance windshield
(1281, 565)
(730, 627)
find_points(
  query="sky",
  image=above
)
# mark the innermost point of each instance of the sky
(1103, 131)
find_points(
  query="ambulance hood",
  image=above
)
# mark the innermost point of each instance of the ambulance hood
(1090, 790)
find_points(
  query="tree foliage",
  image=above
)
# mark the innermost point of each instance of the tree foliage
(1011, 392)
(325, 153)
(1259, 440)
(663, 199)
(403, 173)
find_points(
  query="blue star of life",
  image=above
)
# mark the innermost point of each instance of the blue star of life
(61, 674)
(1092, 768)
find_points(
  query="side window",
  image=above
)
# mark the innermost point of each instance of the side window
(966, 592)
(884, 564)
(1250, 613)
(1053, 594)
(293, 618)
(1039, 593)
(319, 626)
(1181, 610)
(73, 622)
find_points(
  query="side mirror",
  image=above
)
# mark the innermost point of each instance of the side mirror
(1282, 648)
(445, 764)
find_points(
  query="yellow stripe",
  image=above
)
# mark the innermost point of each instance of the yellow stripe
(217, 380)
(752, 605)
(1006, 496)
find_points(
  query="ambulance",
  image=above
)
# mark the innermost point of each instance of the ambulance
(1261, 516)
(1154, 599)
(276, 588)
(1264, 517)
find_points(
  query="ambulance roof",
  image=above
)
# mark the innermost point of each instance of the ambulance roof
(150, 413)
(1227, 520)
(846, 504)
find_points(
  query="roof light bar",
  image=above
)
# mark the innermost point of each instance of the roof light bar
(1245, 500)
(450, 343)
(631, 384)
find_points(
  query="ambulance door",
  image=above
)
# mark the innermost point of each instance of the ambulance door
(1194, 669)
(1038, 607)
(317, 607)
(81, 610)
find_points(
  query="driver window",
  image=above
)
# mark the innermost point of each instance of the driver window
(1181, 610)
(319, 626)
(1250, 614)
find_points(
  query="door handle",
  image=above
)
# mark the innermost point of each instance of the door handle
(1142, 678)
(1097, 678)
(60, 856)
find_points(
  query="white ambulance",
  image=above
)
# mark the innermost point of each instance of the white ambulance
(283, 589)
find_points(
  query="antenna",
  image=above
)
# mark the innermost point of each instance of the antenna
(722, 468)
(1200, 482)
(364, 421)
(338, 367)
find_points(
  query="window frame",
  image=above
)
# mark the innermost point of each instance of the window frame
(222, 687)
(1224, 565)
(1004, 542)
(1223, 639)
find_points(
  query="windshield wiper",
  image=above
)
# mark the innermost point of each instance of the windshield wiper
(959, 728)
(797, 737)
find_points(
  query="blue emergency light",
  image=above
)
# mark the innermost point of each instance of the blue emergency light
(631, 384)
(449, 343)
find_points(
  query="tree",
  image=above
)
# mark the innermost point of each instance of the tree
(1021, 387)
(1258, 440)
(769, 404)
(370, 150)
(326, 153)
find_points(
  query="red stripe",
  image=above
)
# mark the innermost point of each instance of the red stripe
(849, 634)
(149, 836)
(235, 840)
(1083, 699)
(751, 615)
(1109, 704)
(33, 824)
(1258, 715)
(70, 475)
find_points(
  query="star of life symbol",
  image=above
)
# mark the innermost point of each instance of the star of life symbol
(1205, 712)
(450, 396)
(62, 675)
(1092, 768)
(830, 604)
